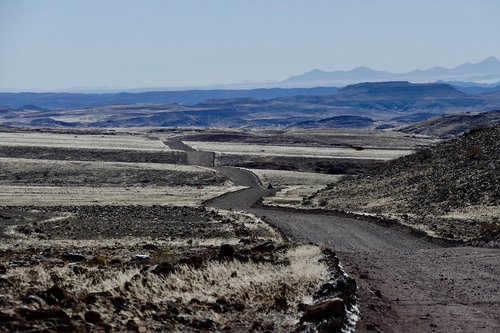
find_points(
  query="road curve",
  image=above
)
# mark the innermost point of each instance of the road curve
(406, 284)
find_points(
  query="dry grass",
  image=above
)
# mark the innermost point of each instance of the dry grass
(295, 274)
(27, 164)
(270, 150)
(294, 186)
(54, 196)
(255, 285)
(280, 178)
(128, 142)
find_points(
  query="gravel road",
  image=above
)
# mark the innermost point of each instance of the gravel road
(406, 284)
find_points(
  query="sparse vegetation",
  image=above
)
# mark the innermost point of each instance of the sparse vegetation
(124, 283)
(448, 190)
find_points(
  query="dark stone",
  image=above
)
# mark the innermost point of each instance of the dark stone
(202, 324)
(324, 310)
(78, 270)
(163, 268)
(239, 306)
(57, 293)
(280, 303)
(226, 250)
(267, 246)
(34, 299)
(90, 299)
(118, 302)
(93, 317)
(74, 257)
(5, 283)
(5, 317)
(42, 314)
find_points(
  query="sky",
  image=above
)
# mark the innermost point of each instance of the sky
(58, 45)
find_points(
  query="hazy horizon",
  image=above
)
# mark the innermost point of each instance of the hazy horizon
(60, 45)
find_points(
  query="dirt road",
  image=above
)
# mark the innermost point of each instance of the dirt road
(194, 157)
(406, 284)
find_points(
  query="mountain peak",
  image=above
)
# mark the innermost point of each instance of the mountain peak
(490, 60)
(488, 70)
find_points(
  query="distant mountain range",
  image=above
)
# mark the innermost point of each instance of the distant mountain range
(83, 100)
(486, 71)
(365, 105)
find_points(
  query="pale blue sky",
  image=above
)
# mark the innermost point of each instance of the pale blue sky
(61, 44)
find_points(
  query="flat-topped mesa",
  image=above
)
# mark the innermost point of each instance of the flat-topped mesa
(397, 90)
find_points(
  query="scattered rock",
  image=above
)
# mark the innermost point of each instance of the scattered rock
(42, 314)
(267, 246)
(118, 302)
(280, 303)
(226, 250)
(93, 317)
(141, 257)
(5, 283)
(202, 324)
(34, 299)
(163, 268)
(74, 257)
(6, 317)
(324, 310)
(150, 247)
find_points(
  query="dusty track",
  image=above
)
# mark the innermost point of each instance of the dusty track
(405, 284)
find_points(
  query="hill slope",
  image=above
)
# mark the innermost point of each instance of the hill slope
(453, 124)
(82, 100)
(451, 190)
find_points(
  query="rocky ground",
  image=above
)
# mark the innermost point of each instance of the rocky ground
(161, 268)
(20, 171)
(451, 190)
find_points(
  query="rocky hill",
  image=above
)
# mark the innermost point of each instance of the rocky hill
(453, 124)
(451, 190)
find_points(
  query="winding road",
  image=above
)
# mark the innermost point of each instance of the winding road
(406, 284)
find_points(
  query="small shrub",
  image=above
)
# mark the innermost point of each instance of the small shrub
(472, 152)
(424, 154)
(98, 260)
(355, 147)
(162, 255)
(478, 128)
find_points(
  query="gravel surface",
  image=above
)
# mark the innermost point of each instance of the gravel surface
(406, 284)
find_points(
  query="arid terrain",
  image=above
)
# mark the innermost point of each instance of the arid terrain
(157, 230)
